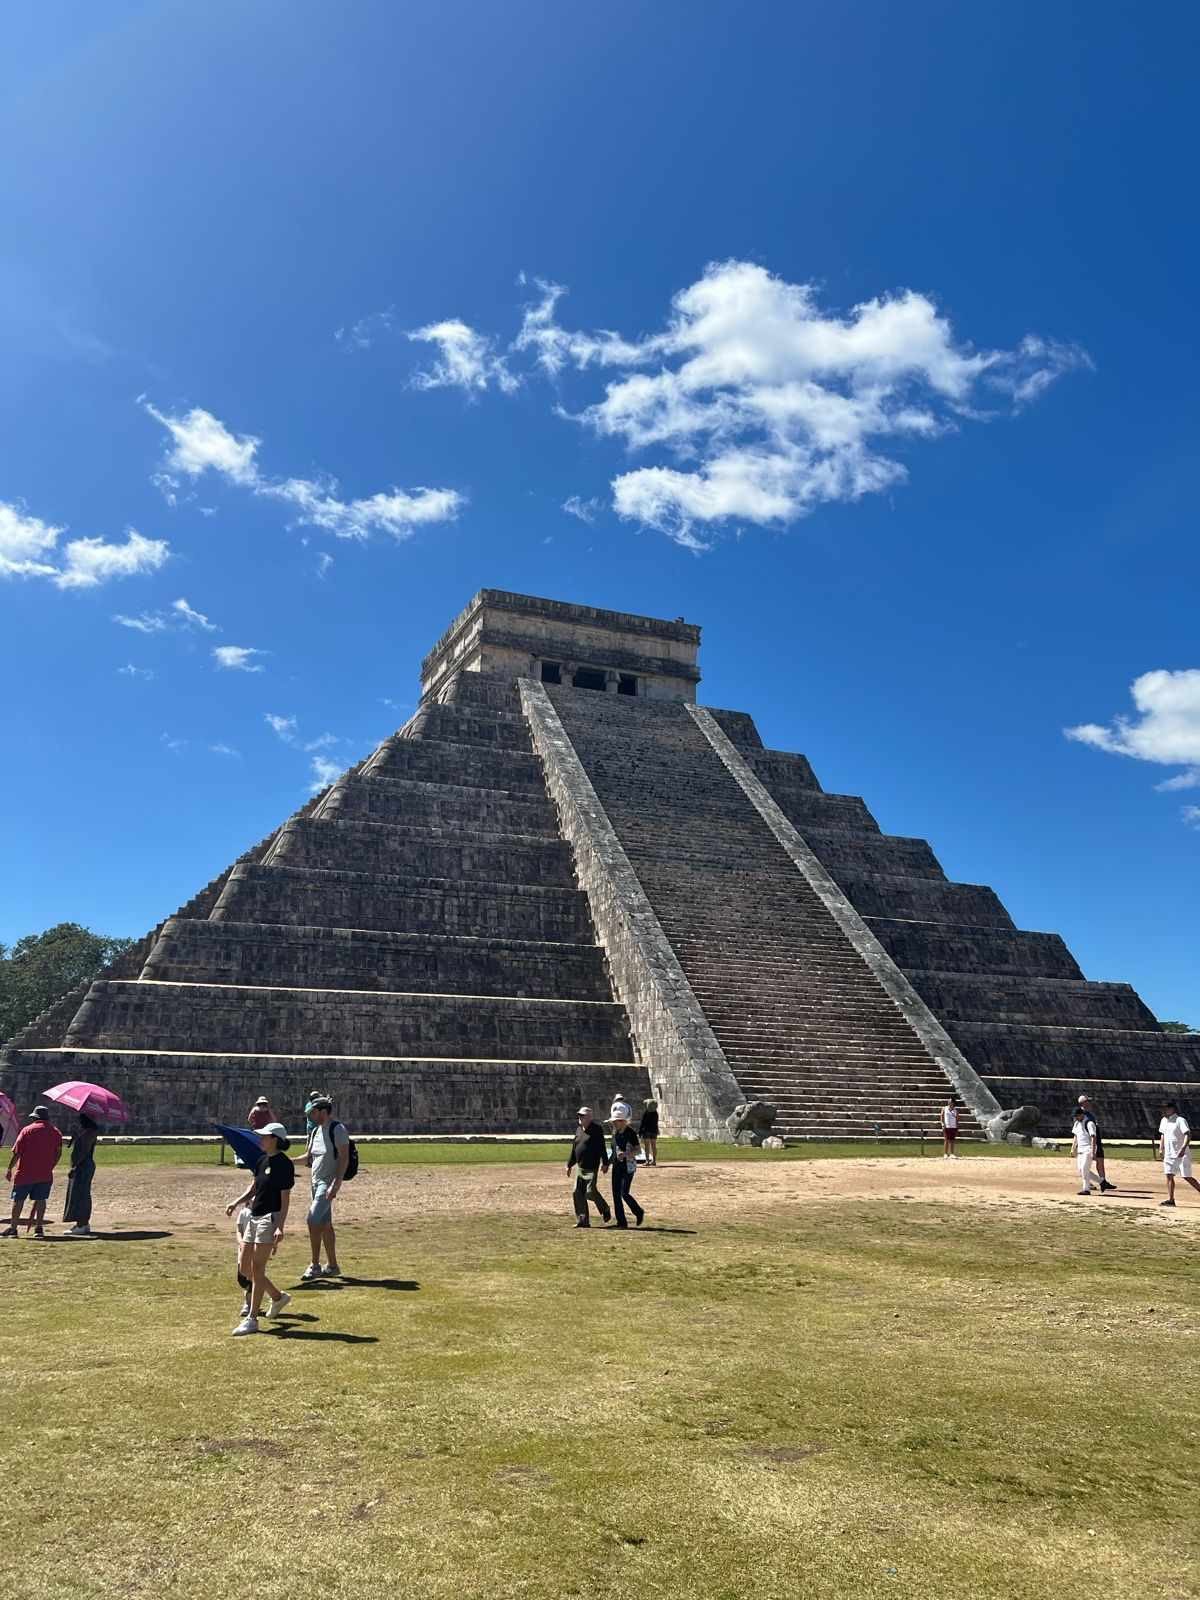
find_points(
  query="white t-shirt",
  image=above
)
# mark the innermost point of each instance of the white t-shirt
(1174, 1131)
(1083, 1132)
(950, 1117)
(325, 1152)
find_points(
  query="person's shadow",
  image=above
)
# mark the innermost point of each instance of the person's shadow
(324, 1285)
(282, 1331)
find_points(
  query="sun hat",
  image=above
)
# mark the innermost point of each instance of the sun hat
(279, 1131)
(584, 1111)
(621, 1110)
(39, 1111)
(262, 1101)
(319, 1102)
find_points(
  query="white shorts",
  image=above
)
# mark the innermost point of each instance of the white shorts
(1178, 1166)
(256, 1230)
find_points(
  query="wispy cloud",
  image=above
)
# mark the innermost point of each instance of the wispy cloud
(324, 772)
(237, 657)
(1191, 815)
(224, 750)
(1165, 729)
(764, 403)
(324, 562)
(368, 330)
(586, 510)
(468, 360)
(179, 614)
(283, 727)
(130, 671)
(192, 618)
(201, 443)
(173, 744)
(29, 549)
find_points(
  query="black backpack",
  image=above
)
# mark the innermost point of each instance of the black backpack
(352, 1161)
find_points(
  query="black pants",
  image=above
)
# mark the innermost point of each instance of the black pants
(622, 1179)
(585, 1190)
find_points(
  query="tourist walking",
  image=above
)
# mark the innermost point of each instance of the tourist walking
(1175, 1137)
(262, 1217)
(1088, 1107)
(648, 1131)
(35, 1154)
(78, 1208)
(625, 1147)
(949, 1129)
(1083, 1143)
(328, 1157)
(260, 1114)
(588, 1159)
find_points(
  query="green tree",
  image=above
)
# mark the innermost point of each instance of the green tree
(42, 966)
(1176, 1027)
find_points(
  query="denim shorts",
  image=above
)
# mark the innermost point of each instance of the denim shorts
(321, 1210)
(31, 1191)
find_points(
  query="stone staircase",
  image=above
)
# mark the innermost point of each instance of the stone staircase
(799, 1015)
(415, 942)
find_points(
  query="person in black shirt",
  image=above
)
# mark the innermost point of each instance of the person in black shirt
(1090, 1111)
(648, 1131)
(624, 1164)
(588, 1159)
(261, 1220)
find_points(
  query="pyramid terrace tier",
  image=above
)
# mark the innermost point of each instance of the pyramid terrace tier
(958, 947)
(1127, 1108)
(269, 955)
(477, 767)
(439, 806)
(464, 854)
(311, 897)
(235, 1018)
(1062, 1002)
(186, 1091)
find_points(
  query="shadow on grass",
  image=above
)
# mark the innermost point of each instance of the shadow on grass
(131, 1235)
(328, 1337)
(324, 1285)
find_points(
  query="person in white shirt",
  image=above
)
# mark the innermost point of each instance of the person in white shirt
(1175, 1136)
(1083, 1139)
(949, 1129)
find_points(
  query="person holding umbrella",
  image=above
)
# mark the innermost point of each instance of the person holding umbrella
(35, 1155)
(79, 1178)
(262, 1217)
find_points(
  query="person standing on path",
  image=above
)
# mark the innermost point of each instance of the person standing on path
(648, 1131)
(588, 1159)
(261, 1221)
(949, 1129)
(1090, 1112)
(328, 1157)
(624, 1164)
(35, 1154)
(259, 1114)
(1175, 1136)
(1083, 1141)
(78, 1208)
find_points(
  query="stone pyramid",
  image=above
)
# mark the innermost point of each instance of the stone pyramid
(562, 879)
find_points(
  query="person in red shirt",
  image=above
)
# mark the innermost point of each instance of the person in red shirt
(260, 1114)
(35, 1155)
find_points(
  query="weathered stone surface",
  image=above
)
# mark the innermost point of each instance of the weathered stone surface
(751, 1123)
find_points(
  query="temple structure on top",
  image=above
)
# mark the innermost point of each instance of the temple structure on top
(563, 879)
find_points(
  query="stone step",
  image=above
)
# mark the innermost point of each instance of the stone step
(203, 1017)
(476, 767)
(949, 947)
(382, 847)
(269, 955)
(1027, 1051)
(1061, 1002)
(922, 899)
(311, 897)
(186, 1092)
(438, 806)
(469, 725)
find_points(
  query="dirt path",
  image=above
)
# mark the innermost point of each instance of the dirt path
(183, 1197)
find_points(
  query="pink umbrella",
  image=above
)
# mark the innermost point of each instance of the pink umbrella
(101, 1104)
(9, 1121)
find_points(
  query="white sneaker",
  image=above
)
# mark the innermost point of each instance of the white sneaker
(331, 1272)
(246, 1325)
(79, 1229)
(277, 1306)
(245, 1311)
(310, 1272)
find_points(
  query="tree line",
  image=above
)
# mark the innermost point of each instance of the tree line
(42, 966)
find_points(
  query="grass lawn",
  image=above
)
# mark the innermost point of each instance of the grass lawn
(429, 1155)
(846, 1399)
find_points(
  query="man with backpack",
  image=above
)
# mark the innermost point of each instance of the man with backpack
(328, 1158)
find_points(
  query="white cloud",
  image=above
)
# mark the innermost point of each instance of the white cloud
(236, 657)
(173, 744)
(324, 562)
(82, 563)
(1166, 729)
(1191, 815)
(224, 750)
(361, 335)
(322, 741)
(467, 361)
(192, 618)
(586, 510)
(324, 773)
(1183, 780)
(90, 562)
(148, 622)
(201, 443)
(767, 404)
(130, 671)
(285, 727)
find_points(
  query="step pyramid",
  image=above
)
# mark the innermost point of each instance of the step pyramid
(562, 880)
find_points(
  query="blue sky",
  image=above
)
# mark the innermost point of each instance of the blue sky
(862, 336)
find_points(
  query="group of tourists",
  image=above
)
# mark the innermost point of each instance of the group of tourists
(262, 1210)
(1174, 1140)
(590, 1156)
(35, 1154)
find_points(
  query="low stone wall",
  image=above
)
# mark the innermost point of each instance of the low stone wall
(686, 1065)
